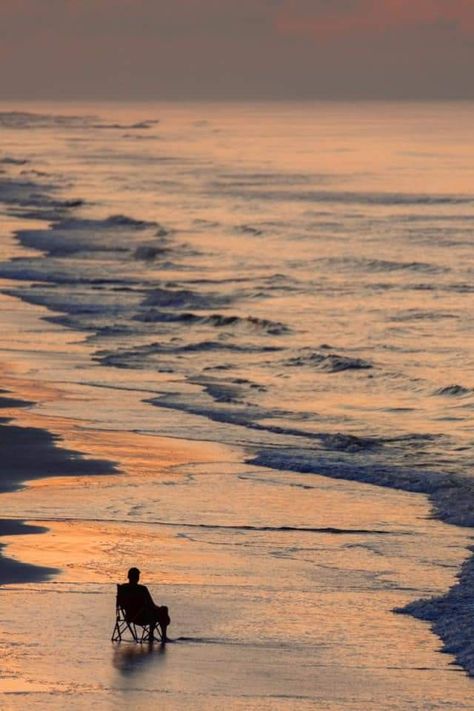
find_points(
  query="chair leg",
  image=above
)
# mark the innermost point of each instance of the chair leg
(150, 633)
(133, 630)
(117, 633)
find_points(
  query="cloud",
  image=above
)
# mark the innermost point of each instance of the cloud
(330, 19)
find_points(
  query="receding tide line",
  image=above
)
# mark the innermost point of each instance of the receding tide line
(227, 527)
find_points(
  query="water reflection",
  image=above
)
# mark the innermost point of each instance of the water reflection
(131, 659)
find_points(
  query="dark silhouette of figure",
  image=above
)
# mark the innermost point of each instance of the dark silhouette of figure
(139, 604)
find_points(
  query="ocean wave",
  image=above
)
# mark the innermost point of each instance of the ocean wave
(453, 391)
(148, 252)
(185, 299)
(418, 315)
(109, 222)
(233, 390)
(460, 288)
(265, 178)
(219, 321)
(9, 160)
(384, 265)
(137, 357)
(35, 199)
(443, 236)
(249, 230)
(246, 415)
(354, 198)
(328, 362)
(70, 236)
(223, 392)
(397, 462)
(25, 192)
(126, 221)
(138, 125)
(450, 616)
(340, 442)
(207, 346)
(55, 274)
(230, 404)
(86, 308)
(31, 120)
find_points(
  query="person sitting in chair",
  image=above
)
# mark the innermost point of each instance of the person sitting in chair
(140, 607)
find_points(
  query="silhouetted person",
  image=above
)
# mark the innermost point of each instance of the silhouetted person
(139, 604)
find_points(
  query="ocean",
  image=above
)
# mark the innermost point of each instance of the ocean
(282, 293)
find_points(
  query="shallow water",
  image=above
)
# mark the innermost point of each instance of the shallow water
(282, 291)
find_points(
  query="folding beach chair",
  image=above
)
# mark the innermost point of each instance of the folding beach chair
(131, 620)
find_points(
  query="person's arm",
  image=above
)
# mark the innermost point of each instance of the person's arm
(147, 597)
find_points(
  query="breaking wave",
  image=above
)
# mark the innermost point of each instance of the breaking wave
(384, 265)
(328, 362)
(354, 198)
(27, 120)
(185, 299)
(453, 391)
(219, 321)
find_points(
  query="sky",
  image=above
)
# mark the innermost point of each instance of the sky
(236, 49)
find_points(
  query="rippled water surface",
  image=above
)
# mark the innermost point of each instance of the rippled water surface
(295, 281)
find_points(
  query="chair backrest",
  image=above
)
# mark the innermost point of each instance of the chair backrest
(118, 604)
(119, 600)
(130, 602)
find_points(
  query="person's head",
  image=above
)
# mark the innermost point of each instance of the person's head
(133, 575)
